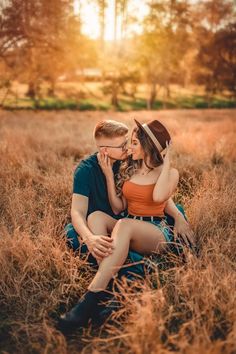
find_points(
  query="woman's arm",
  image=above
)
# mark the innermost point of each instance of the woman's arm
(117, 203)
(181, 226)
(167, 181)
(172, 210)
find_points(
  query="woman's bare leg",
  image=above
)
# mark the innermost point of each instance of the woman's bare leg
(140, 236)
(101, 224)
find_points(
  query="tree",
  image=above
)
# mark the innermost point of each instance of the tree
(32, 30)
(102, 4)
(40, 40)
(216, 39)
(217, 61)
(119, 70)
(163, 44)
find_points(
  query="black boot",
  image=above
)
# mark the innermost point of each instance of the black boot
(80, 314)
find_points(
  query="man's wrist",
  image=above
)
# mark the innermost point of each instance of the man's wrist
(87, 237)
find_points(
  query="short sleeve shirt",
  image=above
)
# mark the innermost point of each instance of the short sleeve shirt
(90, 181)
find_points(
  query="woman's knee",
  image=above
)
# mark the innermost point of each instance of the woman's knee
(122, 227)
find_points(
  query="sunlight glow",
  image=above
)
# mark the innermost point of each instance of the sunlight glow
(89, 14)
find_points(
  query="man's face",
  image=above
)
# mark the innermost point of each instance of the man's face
(115, 148)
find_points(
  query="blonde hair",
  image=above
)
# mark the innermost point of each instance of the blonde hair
(109, 129)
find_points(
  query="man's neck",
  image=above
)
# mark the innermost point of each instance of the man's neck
(112, 161)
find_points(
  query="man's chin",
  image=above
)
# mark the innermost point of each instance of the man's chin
(123, 157)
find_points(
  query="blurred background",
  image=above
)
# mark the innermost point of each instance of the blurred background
(117, 54)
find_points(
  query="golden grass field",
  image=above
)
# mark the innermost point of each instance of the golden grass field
(193, 312)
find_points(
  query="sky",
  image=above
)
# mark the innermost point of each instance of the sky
(89, 15)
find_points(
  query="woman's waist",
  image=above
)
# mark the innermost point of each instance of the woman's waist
(146, 217)
(148, 209)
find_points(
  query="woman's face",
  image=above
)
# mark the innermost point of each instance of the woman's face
(135, 148)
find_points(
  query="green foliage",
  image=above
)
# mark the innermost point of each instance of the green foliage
(126, 103)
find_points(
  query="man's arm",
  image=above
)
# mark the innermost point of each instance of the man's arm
(98, 245)
(79, 208)
(181, 226)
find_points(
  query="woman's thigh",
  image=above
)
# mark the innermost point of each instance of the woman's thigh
(144, 236)
(100, 222)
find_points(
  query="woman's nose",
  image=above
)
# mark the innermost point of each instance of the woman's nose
(129, 151)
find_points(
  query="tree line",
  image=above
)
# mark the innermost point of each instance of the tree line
(180, 42)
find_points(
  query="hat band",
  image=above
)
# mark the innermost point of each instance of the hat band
(152, 137)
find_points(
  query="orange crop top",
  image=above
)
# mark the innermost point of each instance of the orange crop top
(140, 201)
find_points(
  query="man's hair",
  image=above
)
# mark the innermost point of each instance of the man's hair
(109, 129)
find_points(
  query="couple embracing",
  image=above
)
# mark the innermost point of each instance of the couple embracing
(121, 198)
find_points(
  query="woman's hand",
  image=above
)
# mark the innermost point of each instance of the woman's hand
(183, 228)
(105, 164)
(185, 234)
(167, 154)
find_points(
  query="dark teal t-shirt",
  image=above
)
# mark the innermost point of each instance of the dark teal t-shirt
(90, 181)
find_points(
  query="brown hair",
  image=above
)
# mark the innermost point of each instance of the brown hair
(150, 150)
(129, 167)
(109, 129)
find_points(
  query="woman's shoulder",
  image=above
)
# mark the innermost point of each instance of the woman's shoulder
(159, 169)
(174, 173)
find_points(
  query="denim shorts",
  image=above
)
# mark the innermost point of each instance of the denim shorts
(161, 224)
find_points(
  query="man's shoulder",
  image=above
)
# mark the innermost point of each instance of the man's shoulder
(87, 164)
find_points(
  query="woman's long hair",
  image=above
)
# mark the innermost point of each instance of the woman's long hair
(152, 159)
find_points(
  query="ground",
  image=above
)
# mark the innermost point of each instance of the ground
(192, 312)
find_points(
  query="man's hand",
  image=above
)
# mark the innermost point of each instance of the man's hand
(183, 228)
(100, 246)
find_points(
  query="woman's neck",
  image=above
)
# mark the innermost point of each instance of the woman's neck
(144, 169)
(146, 165)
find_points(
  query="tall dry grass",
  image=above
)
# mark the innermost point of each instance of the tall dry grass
(192, 312)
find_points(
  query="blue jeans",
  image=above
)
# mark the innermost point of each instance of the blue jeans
(136, 261)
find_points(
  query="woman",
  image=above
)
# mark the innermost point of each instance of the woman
(145, 186)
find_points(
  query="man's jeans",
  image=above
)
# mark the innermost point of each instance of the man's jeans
(135, 261)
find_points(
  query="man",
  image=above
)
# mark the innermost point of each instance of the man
(90, 194)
